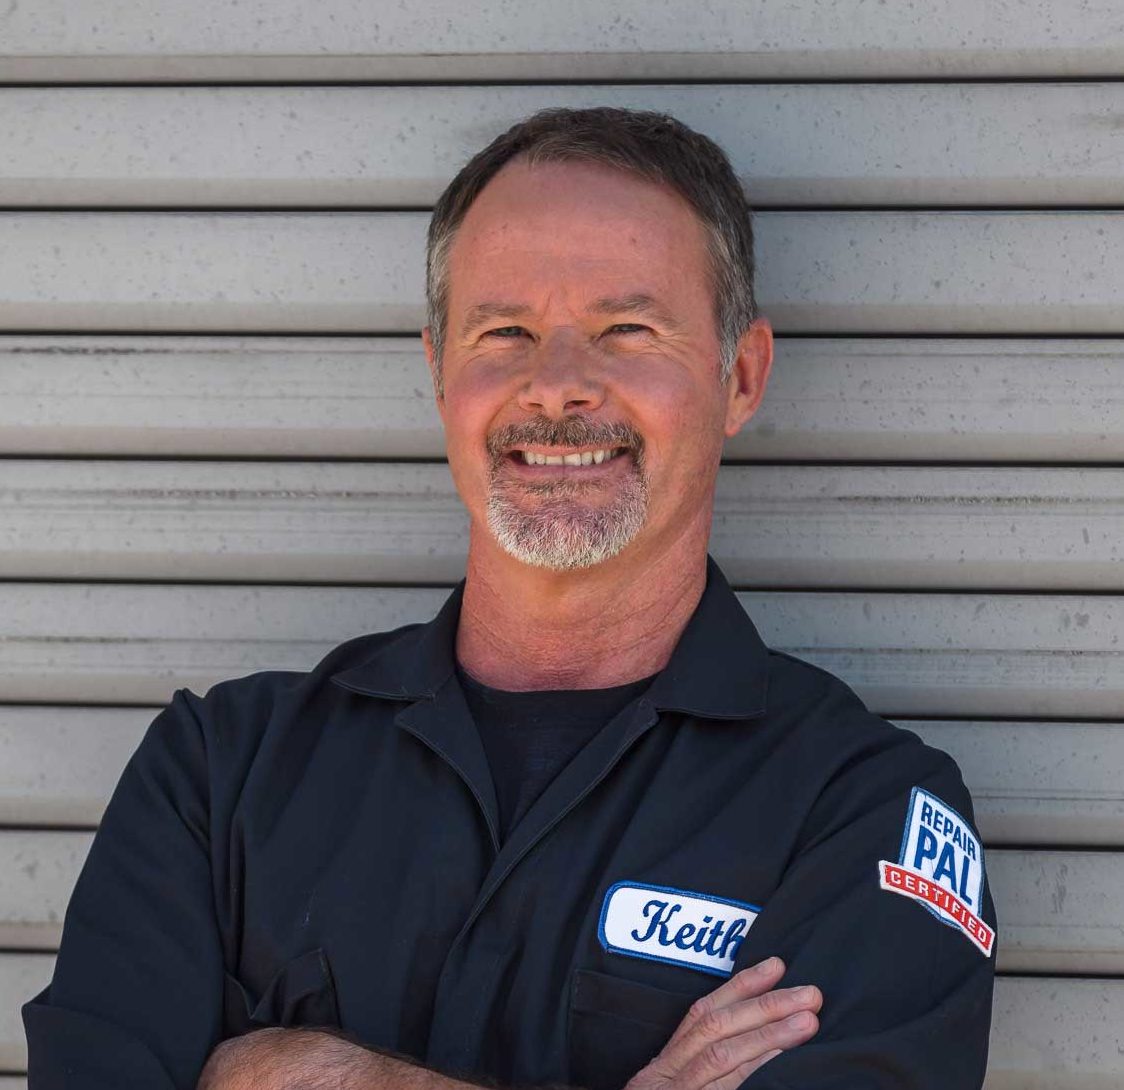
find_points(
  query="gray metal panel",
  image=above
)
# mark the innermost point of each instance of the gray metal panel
(820, 272)
(1056, 1035)
(58, 766)
(950, 272)
(136, 644)
(1032, 783)
(348, 39)
(792, 526)
(359, 397)
(1047, 1034)
(1057, 910)
(830, 399)
(1038, 783)
(977, 655)
(908, 654)
(21, 977)
(193, 271)
(39, 870)
(833, 144)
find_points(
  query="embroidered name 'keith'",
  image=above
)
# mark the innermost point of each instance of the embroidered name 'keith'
(674, 925)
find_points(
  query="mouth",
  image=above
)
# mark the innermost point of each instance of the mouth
(569, 458)
(573, 456)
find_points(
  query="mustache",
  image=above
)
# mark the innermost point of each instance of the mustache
(570, 431)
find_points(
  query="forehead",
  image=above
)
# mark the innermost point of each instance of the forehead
(571, 224)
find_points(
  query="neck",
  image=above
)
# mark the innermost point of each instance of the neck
(525, 628)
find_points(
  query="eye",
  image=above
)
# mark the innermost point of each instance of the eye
(506, 332)
(628, 327)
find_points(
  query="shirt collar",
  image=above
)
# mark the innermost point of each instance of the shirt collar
(720, 666)
(718, 670)
(415, 662)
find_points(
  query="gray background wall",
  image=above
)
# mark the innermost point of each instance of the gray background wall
(219, 451)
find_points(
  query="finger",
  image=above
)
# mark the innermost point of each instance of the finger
(756, 980)
(719, 1062)
(751, 982)
(773, 1006)
(723, 1023)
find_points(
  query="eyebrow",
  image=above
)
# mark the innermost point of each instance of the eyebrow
(486, 312)
(638, 303)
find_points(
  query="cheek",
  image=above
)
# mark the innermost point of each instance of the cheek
(681, 422)
(477, 388)
(468, 458)
(471, 408)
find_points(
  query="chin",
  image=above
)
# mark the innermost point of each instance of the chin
(562, 543)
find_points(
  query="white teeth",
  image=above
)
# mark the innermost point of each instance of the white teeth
(588, 457)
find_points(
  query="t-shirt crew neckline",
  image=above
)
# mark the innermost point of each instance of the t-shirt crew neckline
(530, 736)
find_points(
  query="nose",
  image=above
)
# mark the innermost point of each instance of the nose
(563, 378)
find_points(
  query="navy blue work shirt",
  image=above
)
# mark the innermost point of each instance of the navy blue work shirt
(321, 849)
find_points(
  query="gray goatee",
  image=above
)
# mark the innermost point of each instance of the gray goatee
(556, 524)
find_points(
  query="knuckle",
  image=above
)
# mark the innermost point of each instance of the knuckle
(699, 1009)
(716, 1056)
(773, 1003)
(715, 1023)
(774, 1033)
(747, 984)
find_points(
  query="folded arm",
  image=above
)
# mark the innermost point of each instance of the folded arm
(725, 1037)
(907, 997)
(307, 1059)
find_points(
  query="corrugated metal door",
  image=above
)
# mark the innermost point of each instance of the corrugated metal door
(220, 454)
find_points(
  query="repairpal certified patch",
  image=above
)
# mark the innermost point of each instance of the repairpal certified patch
(674, 925)
(941, 865)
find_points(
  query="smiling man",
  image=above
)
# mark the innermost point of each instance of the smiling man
(583, 827)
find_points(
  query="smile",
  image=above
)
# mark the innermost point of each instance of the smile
(583, 458)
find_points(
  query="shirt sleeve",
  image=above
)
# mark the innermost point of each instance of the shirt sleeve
(136, 996)
(882, 907)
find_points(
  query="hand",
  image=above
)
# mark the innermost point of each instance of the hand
(732, 1031)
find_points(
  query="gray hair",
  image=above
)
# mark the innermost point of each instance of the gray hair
(653, 146)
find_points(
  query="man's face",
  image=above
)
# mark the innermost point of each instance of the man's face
(583, 407)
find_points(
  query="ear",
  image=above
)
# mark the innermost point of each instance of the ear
(431, 359)
(746, 384)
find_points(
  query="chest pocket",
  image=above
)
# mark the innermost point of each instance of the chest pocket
(617, 1026)
(300, 994)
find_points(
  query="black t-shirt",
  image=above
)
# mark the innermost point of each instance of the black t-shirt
(530, 737)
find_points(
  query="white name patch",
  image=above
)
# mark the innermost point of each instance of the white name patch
(941, 866)
(674, 925)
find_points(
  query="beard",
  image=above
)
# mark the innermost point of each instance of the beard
(566, 524)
